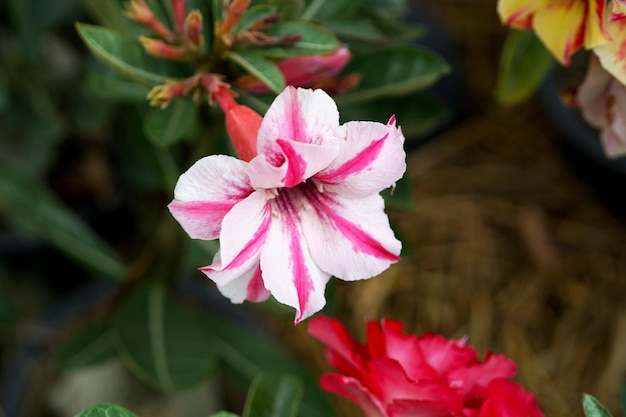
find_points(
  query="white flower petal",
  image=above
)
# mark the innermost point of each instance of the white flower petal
(206, 192)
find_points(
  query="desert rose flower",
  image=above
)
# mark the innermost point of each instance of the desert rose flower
(562, 25)
(602, 101)
(399, 375)
(306, 207)
(612, 55)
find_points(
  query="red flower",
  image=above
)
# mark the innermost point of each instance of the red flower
(400, 375)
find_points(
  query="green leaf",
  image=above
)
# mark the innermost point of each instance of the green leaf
(273, 396)
(622, 398)
(264, 69)
(244, 355)
(109, 13)
(127, 55)
(165, 345)
(111, 87)
(396, 71)
(524, 64)
(92, 345)
(593, 408)
(314, 40)
(38, 211)
(252, 15)
(328, 9)
(105, 410)
(400, 196)
(362, 30)
(417, 114)
(165, 127)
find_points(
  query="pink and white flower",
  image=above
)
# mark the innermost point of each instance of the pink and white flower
(305, 208)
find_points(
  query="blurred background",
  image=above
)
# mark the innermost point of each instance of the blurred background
(516, 237)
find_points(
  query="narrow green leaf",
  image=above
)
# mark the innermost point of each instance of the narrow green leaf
(35, 209)
(244, 355)
(264, 69)
(114, 88)
(223, 414)
(165, 127)
(362, 30)
(395, 71)
(524, 64)
(273, 396)
(314, 40)
(622, 398)
(109, 13)
(127, 55)
(593, 408)
(252, 15)
(164, 344)
(105, 410)
(417, 114)
(88, 347)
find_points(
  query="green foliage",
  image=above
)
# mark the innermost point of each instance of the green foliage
(406, 70)
(165, 345)
(165, 127)
(593, 408)
(264, 69)
(34, 208)
(90, 346)
(273, 396)
(524, 64)
(126, 55)
(314, 40)
(105, 410)
(252, 15)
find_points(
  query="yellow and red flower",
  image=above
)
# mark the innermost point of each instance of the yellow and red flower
(564, 26)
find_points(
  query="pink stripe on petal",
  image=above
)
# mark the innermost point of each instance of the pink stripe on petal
(200, 219)
(256, 290)
(296, 166)
(251, 248)
(358, 163)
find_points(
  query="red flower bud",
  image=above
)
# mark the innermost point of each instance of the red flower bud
(242, 124)
(160, 49)
(140, 12)
(179, 8)
(194, 40)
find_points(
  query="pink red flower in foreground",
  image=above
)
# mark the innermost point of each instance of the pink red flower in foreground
(306, 207)
(602, 101)
(400, 375)
(563, 25)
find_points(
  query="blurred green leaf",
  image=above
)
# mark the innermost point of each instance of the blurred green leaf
(32, 18)
(252, 15)
(110, 13)
(164, 344)
(38, 211)
(105, 410)
(417, 113)
(395, 71)
(362, 30)
(243, 355)
(622, 398)
(328, 9)
(223, 414)
(165, 127)
(264, 69)
(593, 408)
(90, 346)
(128, 56)
(273, 396)
(314, 40)
(114, 88)
(400, 196)
(524, 64)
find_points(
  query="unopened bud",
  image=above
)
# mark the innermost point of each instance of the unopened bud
(140, 12)
(161, 95)
(234, 10)
(179, 8)
(160, 49)
(242, 124)
(193, 31)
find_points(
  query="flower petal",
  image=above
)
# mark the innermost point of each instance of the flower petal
(561, 27)
(289, 272)
(592, 94)
(351, 388)
(206, 192)
(247, 286)
(613, 54)
(470, 378)
(445, 355)
(595, 32)
(346, 352)
(350, 239)
(371, 159)
(508, 399)
(299, 114)
(299, 161)
(517, 13)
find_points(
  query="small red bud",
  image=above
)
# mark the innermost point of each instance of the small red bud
(160, 49)
(193, 31)
(179, 8)
(140, 12)
(242, 124)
